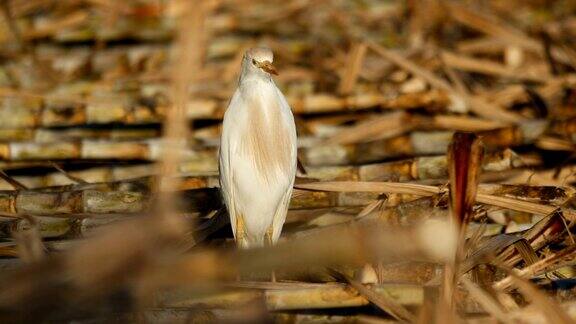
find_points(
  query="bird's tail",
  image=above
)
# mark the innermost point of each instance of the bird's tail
(215, 223)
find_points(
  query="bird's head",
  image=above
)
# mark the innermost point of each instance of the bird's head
(259, 60)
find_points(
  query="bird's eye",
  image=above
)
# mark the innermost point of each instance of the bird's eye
(254, 61)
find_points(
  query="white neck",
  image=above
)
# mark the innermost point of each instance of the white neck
(255, 84)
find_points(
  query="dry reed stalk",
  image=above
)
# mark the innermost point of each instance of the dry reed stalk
(565, 128)
(381, 299)
(476, 103)
(551, 310)
(491, 305)
(481, 45)
(385, 187)
(419, 143)
(532, 315)
(464, 123)
(493, 27)
(382, 127)
(487, 249)
(103, 89)
(70, 21)
(544, 232)
(126, 111)
(73, 203)
(404, 145)
(30, 247)
(433, 100)
(50, 135)
(464, 159)
(310, 252)
(131, 196)
(13, 182)
(470, 64)
(206, 266)
(139, 239)
(464, 156)
(418, 168)
(86, 200)
(322, 296)
(549, 195)
(411, 67)
(559, 177)
(47, 227)
(555, 144)
(351, 71)
(102, 200)
(152, 150)
(421, 168)
(425, 190)
(251, 314)
(190, 51)
(550, 263)
(91, 175)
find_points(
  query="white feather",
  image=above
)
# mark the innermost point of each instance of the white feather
(257, 166)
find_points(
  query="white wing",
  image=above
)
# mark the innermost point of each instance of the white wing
(224, 163)
(282, 209)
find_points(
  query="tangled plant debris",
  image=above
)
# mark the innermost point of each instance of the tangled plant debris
(436, 141)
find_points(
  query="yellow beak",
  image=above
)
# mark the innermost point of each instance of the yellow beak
(268, 67)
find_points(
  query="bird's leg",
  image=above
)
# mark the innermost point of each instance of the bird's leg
(240, 232)
(240, 237)
(269, 242)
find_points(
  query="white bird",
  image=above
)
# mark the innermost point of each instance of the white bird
(257, 153)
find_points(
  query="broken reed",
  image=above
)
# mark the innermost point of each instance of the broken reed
(415, 143)
(136, 71)
(24, 112)
(109, 201)
(420, 168)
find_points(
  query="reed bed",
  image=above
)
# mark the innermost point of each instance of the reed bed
(436, 162)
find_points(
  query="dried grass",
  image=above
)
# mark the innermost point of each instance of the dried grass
(109, 125)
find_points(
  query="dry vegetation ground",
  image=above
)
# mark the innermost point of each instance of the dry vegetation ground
(437, 146)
